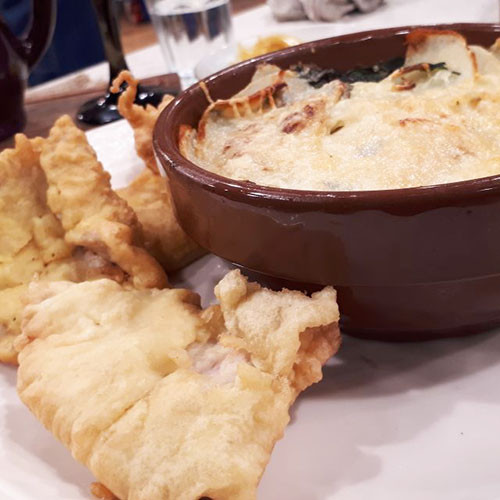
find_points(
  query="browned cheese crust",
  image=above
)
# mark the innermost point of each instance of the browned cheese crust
(432, 121)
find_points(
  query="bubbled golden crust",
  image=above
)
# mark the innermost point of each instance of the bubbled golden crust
(367, 135)
(165, 400)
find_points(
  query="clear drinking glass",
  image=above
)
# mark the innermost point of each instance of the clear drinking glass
(189, 29)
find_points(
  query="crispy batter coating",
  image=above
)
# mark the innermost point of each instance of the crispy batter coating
(142, 120)
(150, 198)
(11, 300)
(165, 400)
(91, 213)
(34, 244)
(149, 194)
(100, 491)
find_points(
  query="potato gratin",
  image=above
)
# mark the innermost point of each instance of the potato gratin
(434, 120)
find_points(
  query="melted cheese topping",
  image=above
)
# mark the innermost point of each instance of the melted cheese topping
(416, 128)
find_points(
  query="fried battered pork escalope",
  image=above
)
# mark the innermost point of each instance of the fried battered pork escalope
(149, 194)
(165, 400)
(61, 221)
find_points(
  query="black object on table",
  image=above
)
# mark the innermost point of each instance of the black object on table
(104, 109)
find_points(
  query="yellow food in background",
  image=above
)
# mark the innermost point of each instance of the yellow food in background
(265, 45)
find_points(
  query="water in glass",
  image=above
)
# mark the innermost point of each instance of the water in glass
(188, 29)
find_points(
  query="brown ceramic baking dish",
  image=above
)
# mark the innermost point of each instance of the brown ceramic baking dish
(408, 264)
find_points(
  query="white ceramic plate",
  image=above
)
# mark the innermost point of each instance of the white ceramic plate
(416, 421)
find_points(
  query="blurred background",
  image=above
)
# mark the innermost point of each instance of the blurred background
(181, 41)
(76, 43)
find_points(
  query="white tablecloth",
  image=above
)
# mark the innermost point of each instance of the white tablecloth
(259, 21)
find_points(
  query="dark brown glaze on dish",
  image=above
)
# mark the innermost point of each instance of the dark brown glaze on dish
(408, 264)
